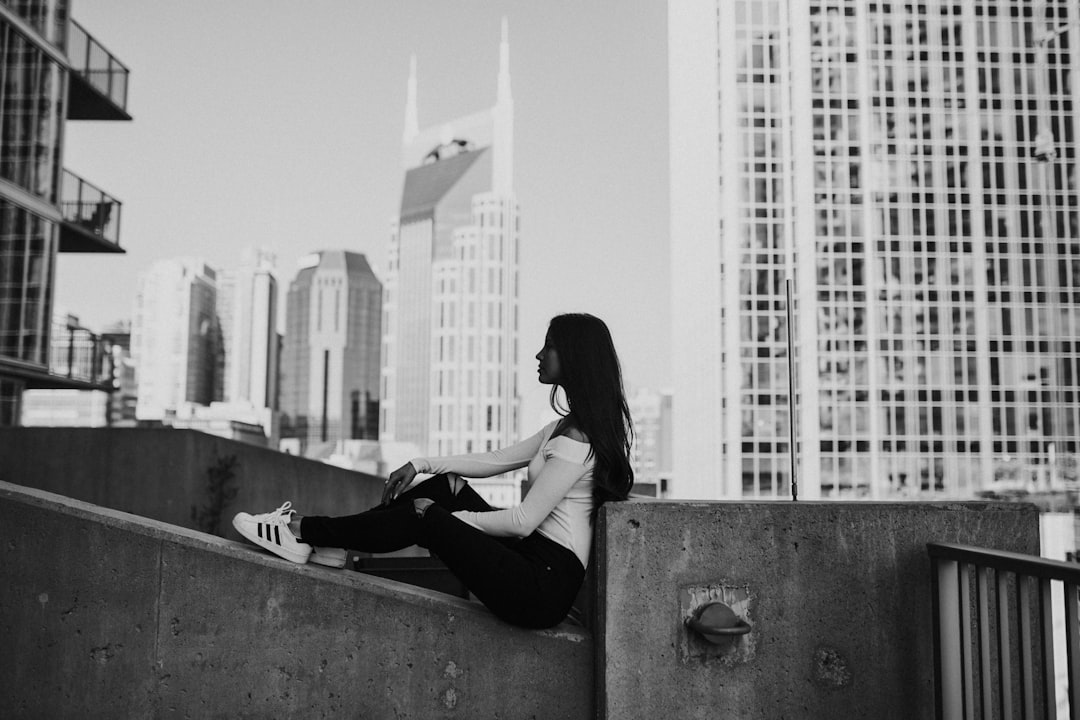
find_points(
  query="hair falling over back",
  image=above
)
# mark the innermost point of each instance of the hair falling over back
(591, 379)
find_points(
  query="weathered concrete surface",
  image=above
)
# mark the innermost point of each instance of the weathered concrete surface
(163, 474)
(109, 615)
(838, 596)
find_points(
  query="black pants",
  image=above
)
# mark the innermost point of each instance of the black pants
(531, 582)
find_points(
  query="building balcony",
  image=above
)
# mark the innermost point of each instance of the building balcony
(78, 360)
(91, 218)
(77, 354)
(34, 377)
(98, 82)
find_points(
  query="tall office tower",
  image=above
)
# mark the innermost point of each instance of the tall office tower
(247, 311)
(450, 327)
(51, 71)
(911, 168)
(175, 338)
(330, 358)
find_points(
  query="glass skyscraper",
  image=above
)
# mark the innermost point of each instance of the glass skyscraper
(450, 320)
(51, 70)
(175, 338)
(247, 310)
(330, 357)
(911, 169)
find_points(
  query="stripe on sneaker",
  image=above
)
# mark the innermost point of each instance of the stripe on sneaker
(277, 534)
(259, 526)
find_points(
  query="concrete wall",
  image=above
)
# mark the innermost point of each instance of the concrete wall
(164, 474)
(107, 615)
(838, 595)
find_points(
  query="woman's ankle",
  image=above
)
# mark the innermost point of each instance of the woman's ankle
(294, 526)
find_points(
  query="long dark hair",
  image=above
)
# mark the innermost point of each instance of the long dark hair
(591, 378)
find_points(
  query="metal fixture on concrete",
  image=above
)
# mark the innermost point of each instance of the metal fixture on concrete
(717, 623)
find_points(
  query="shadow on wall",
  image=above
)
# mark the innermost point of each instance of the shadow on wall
(220, 491)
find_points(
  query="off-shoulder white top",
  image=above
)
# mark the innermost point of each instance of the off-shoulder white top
(559, 502)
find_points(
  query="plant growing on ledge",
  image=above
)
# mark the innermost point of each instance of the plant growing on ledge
(220, 491)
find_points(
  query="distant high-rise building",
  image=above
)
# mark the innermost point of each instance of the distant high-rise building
(175, 337)
(910, 167)
(247, 311)
(125, 392)
(651, 451)
(330, 357)
(51, 71)
(450, 327)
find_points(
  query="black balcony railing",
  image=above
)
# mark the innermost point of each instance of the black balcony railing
(98, 83)
(77, 354)
(91, 218)
(995, 636)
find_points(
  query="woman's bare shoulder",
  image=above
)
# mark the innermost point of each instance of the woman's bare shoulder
(566, 428)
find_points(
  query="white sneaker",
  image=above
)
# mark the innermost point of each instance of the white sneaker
(271, 531)
(328, 556)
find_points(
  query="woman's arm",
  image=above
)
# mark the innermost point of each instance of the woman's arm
(551, 486)
(482, 465)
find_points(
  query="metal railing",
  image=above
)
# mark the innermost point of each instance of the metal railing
(996, 641)
(90, 208)
(78, 354)
(98, 66)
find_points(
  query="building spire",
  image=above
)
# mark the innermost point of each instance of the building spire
(503, 116)
(504, 96)
(412, 124)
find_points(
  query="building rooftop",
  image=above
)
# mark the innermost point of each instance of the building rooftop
(427, 184)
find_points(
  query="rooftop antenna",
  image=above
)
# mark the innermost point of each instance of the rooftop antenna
(792, 402)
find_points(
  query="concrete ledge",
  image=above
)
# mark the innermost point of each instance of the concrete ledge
(838, 595)
(113, 615)
(168, 475)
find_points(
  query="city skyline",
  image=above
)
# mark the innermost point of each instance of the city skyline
(217, 123)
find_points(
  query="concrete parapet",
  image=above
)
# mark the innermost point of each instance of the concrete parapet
(109, 615)
(181, 477)
(838, 596)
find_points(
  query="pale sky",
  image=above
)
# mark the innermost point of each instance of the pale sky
(279, 124)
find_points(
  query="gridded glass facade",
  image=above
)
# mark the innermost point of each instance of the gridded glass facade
(31, 115)
(34, 105)
(474, 402)
(27, 249)
(913, 167)
(763, 227)
(47, 17)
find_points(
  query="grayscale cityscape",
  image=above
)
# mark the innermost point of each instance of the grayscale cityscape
(256, 252)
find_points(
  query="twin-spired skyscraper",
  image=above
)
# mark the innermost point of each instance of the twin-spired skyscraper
(911, 168)
(450, 312)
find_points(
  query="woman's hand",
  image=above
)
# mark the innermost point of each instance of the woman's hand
(399, 480)
(420, 505)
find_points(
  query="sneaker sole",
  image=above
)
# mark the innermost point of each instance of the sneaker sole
(329, 557)
(296, 556)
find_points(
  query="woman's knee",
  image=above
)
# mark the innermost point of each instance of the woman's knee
(456, 483)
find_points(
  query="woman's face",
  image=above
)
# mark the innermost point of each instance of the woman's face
(549, 370)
